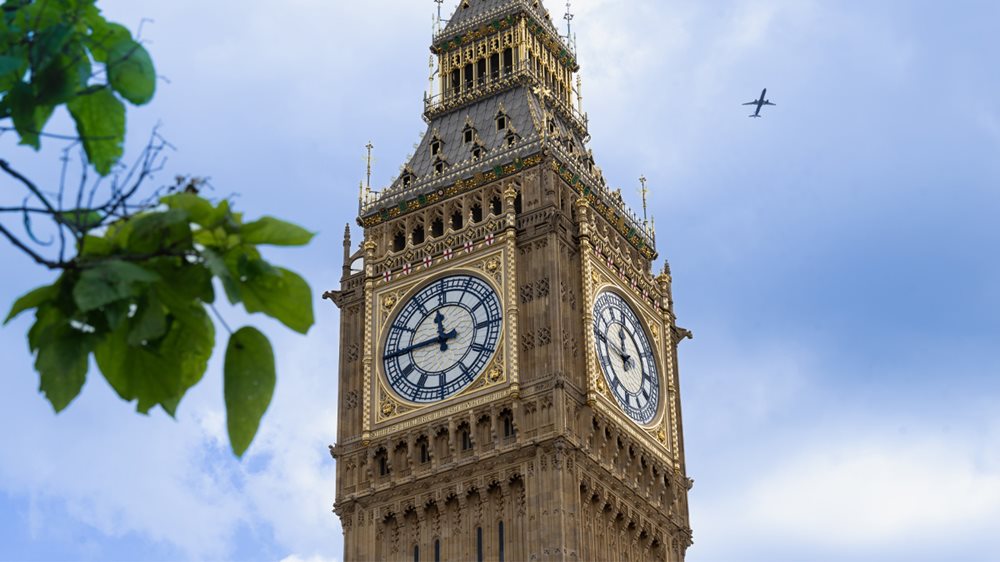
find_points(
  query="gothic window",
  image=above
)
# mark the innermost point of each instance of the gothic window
(406, 179)
(416, 553)
(469, 134)
(436, 146)
(500, 541)
(478, 151)
(479, 544)
(507, 421)
(437, 227)
(468, 77)
(439, 165)
(418, 235)
(477, 213)
(496, 206)
(501, 121)
(456, 220)
(382, 462)
(495, 66)
(399, 241)
(552, 126)
(456, 81)
(508, 61)
(481, 71)
(465, 435)
(425, 450)
(517, 204)
(437, 550)
(511, 139)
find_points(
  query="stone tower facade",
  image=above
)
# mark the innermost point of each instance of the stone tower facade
(508, 360)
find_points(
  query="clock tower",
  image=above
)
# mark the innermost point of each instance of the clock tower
(508, 360)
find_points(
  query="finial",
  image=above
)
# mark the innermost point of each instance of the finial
(439, 2)
(644, 190)
(369, 146)
(569, 18)
(361, 193)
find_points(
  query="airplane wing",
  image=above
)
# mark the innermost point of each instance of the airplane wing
(769, 103)
(751, 103)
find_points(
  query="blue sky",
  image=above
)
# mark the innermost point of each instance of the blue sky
(836, 261)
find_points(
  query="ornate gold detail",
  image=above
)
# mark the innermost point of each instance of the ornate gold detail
(495, 374)
(389, 302)
(662, 435)
(493, 265)
(595, 276)
(388, 408)
(655, 332)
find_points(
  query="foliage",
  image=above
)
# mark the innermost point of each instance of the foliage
(63, 52)
(139, 282)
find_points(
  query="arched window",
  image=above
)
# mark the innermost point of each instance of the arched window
(517, 204)
(437, 227)
(418, 235)
(500, 541)
(496, 206)
(382, 462)
(477, 213)
(479, 544)
(456, 220)
(398, 241)
(416, 553)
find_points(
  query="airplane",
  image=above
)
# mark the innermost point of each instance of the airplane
(759, 103)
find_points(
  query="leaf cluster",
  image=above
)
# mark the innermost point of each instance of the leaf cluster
(137, 298)
(64, 52)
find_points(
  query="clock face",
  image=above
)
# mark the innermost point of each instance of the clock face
(626, 357)
(442, 338)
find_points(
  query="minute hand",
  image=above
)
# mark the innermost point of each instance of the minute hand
(441, 339)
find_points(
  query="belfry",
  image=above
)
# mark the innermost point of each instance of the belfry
(508, 376)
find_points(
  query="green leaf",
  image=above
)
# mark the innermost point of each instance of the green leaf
(282, 295)
(131, 72)
(150, 322)
(269, 230)
(47, 45)
(11, 70)
(64, 78)
(201, 210)
(217, 265)
(108, 282)
(62, 364)
(183, 284)
(33, 299)
(100, 122)
(159, 373)
(249, 385)
(161, 231)
(29, 116)
(80, 220)
(105, 35)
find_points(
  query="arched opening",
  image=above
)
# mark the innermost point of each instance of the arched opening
(456, 220)
(418, 235)
(477, 213)
(437, 227)
(398, 241)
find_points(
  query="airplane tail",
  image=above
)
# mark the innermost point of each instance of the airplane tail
(755, 116)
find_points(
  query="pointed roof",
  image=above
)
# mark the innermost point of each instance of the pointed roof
(471, 13)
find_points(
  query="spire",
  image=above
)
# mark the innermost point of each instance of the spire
(473, 12)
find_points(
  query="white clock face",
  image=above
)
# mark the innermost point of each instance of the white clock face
(626, 357)
(442, 338)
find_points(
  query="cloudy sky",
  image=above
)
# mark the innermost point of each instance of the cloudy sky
(836, 260)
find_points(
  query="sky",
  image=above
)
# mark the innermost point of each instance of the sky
(836, 261)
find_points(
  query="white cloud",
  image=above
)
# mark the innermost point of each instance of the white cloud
(848, 498)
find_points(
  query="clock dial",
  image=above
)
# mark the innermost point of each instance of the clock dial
(442, 338)
(626, 357)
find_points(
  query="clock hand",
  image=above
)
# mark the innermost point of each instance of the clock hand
(626, 358)
(441, 339)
